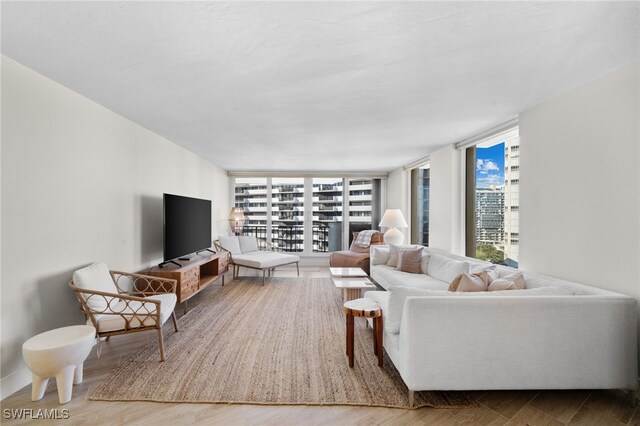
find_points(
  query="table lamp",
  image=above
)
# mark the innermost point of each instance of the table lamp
(393, 220)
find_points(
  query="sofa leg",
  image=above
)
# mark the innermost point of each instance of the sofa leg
(298, 268)
(631, 397)
(263, 271)
(411, 395)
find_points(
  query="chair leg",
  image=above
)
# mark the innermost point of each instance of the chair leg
(298, 268)
(161, 344)
(175, 321)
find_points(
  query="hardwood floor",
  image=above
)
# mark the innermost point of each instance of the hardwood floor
(494, 407)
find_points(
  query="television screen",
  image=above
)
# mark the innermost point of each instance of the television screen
(187, 225)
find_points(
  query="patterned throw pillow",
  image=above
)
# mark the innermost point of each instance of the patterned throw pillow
(409, 261)
(478, 281)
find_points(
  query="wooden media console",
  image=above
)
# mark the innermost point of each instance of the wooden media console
(195, 274)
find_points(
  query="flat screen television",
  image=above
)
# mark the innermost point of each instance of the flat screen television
(187, 226)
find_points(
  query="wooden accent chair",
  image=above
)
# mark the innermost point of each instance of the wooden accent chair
(251, 252)
(121, 303)
(356, 256)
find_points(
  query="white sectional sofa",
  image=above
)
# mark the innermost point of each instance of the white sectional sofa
(554, 334)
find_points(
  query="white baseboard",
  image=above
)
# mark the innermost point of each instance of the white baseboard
(14, 382)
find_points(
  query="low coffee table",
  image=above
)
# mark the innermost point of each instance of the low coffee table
(351, 281)
(347, 272)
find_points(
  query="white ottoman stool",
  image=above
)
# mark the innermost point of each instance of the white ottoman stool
(58, 353)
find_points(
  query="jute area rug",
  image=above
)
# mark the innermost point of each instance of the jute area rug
(281, 343)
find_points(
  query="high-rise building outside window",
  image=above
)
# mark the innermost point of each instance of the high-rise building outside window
(492, 199)
(327, 214)
(251, 195)
(287, 214)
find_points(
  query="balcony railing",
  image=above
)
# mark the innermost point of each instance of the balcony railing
(327, 237)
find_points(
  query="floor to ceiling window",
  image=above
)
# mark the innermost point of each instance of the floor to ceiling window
(492, 198)
(420, 183)
(327, 214)
(363, 198)
(251, 195)
(335, 207)
(287, 214)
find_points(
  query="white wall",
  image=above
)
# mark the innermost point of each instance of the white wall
(580, 185)
(79, 184)
(446, 197)
(398, 196)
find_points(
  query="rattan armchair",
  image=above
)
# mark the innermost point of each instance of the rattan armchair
(121, 303)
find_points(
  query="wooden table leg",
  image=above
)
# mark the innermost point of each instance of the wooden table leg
(350, 338)
(378, 338)
(375, 336)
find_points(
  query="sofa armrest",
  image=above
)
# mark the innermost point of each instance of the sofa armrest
(528, 342)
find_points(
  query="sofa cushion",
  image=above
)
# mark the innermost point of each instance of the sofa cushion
(445, 269)
(379, 255)
(247, 243)
(264, 259)
(230, 243)
(409, 261)
(96, 277)
(395, 277)
(512, 282)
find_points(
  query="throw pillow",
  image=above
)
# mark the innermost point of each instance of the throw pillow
(470, 282)
(393, 254)
(477, 281)
(379, 255)
(409, 261)
(445, 269)
(512, 282)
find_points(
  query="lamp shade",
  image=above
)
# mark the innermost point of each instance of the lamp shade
(236, 219)
(393, 218)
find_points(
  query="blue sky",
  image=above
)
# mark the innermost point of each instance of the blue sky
(490, 166)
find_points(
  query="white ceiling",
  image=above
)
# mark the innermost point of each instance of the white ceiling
(320, 86)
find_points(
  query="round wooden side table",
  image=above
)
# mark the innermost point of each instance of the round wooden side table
(366, 308)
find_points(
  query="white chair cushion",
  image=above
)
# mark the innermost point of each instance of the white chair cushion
(136, 314)
(264, 259)
(230, 243)
(248, 243)
(96, 277)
